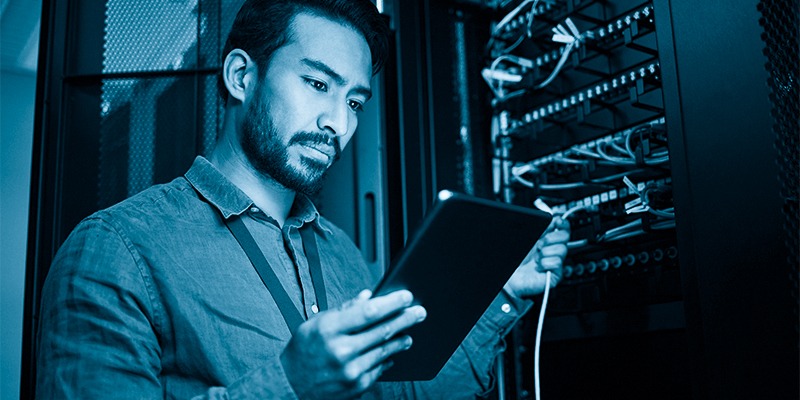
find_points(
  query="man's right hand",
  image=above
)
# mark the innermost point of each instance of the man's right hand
(340, 353)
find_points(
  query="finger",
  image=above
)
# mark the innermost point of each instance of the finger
(559, 223)
(555, 277)
(388, 329)
(550, 263)
(364, 313)
(555, 237)
(367, 379)
(361, 296)
(554, 250)
(376, 358)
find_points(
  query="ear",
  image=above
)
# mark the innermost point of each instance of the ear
(238, 73)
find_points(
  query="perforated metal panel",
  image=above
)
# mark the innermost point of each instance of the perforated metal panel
(150, 35)
(159, 106)
(115, 114)
(151, 129)
(781, 22)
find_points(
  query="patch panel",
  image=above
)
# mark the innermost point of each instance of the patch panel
(631, 84)
(579, 123)
(621, 32)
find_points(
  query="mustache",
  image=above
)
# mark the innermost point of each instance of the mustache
(318, 138)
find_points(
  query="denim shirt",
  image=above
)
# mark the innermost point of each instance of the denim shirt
(154, 298)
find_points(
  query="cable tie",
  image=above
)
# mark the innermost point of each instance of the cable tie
(572, 27)
(635, 206)
(501, 75)
(563, 38)
(521, 61)
(630, 184)
(541, 205)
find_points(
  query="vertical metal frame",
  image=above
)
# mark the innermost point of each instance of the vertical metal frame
(738, 301)
(46, 144)
(413, 167)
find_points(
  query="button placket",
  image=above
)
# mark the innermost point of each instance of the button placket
(302, 270)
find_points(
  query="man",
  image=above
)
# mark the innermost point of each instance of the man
(158, 296)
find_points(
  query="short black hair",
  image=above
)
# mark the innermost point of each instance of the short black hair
(263, 26)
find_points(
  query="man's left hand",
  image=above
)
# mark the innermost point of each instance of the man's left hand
(546, 255)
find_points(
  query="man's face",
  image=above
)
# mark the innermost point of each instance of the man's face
(304, 111)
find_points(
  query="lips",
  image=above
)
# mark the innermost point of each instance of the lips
(323, 148)
(318, 146)
(321, 152)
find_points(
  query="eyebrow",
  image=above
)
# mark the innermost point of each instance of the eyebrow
(325, 69)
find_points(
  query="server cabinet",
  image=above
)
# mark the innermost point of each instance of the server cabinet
(652, 120)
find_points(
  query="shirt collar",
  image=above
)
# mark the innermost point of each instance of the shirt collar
(210, 183)
(304, 211)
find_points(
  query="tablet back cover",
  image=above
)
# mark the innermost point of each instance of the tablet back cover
(455, 265)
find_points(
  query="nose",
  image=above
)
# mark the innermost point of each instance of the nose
(335, 119)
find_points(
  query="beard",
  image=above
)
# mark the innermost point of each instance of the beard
(264, 150)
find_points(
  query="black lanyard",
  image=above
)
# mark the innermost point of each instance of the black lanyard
(290, 313)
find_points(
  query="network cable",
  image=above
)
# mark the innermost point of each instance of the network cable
(540, 204)
(510, 16)
(571, 38)
(518, 171)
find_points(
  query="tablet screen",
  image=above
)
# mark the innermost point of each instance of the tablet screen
(455, 264)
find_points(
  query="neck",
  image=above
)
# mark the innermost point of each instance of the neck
(268, 195)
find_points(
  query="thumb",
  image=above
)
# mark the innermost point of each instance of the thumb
(558, 224)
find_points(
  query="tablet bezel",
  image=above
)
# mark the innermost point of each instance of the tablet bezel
(456, 263)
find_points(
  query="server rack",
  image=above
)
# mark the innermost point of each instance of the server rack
(655, 118)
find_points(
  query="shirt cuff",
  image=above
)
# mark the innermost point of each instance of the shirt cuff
(505, 311)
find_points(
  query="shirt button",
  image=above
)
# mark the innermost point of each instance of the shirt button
(506, 308)
(254, 209)
(314, 308)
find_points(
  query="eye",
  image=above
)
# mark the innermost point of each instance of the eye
(355, 105)
(316, 84)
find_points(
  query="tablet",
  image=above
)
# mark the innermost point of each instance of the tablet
(455, 264)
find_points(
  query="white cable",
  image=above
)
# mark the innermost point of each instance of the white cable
(539, 336)
(667, 213)
(547, 186)
(570, 38)
(512, 14)
(567, 160)
(493, 75)
(540, 204)
(557, 69)
(621, 149)
(577, 208)
(490, 77)
(508, 19)
(577, 244)
(585, 152)
(517, 175)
